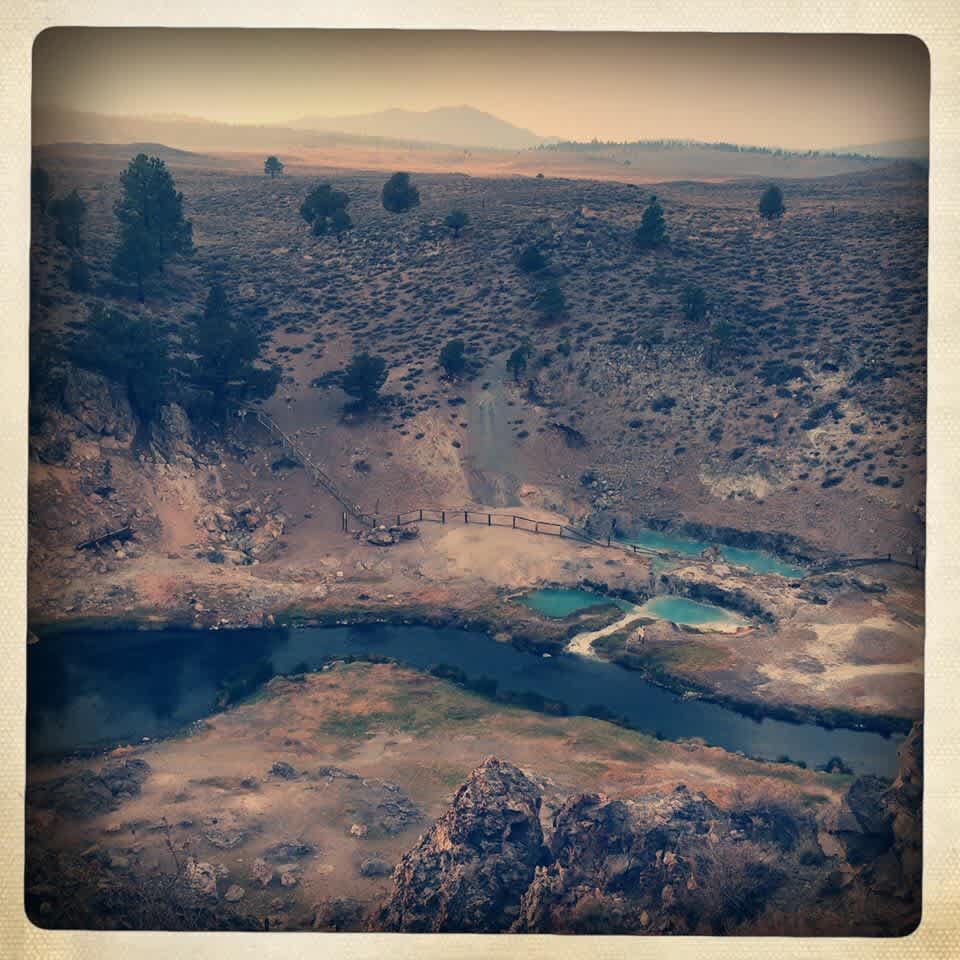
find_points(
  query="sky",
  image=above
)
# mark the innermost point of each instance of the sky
(798, 92)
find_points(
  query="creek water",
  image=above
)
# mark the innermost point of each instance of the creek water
(558, 602)
(757, 561)
(88, 690)
(691, 613)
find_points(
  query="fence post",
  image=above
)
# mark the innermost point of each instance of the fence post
(608, 539)
(514, 523)
(421, 516)
(398, 519)
(465, 520)
(536, 527)
(443, 516)
(489, 521)
(561, 530)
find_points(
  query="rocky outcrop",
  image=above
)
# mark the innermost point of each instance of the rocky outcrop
(87, 793)
(470, 871)
(100, 407)
(879, 826)
(171, 434)
(663, 863)
(244, 533)
(644, 865)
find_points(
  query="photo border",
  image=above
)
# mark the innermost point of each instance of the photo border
(937, 26)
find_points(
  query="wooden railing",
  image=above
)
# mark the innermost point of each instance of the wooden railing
(289, 443)
(511, 521)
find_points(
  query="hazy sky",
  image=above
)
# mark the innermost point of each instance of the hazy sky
(796, 92)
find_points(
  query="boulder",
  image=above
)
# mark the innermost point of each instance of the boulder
(261, 872)
(201, 877)
(287, 850)
(375, 867)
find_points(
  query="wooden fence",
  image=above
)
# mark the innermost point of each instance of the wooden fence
(510, 521)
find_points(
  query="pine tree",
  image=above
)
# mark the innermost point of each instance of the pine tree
(152, 226)
(69, 213)
(272, 167)
(41, 188)
(227, 348)
(130, 351)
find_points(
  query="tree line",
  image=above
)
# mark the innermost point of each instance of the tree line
(218, 352)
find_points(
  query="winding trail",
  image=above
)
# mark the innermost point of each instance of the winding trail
(582, 643)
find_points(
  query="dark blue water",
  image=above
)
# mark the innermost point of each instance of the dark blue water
(87, 690)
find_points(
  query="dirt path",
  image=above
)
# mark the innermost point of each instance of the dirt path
(582, 643)
(492, 454)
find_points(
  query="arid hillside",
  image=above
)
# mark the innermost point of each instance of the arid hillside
(804, 418)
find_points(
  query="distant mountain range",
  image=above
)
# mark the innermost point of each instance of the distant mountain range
(457, 128)
(462, 126)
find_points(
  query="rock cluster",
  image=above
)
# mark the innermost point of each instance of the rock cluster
(660, 864)
(244, 533)
(87, 793)
(387, 536)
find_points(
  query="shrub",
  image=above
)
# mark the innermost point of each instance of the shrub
(551, 302)
(531, 260)
(693, 301)
(456, 220)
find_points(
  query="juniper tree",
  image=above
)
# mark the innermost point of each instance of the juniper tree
(152, 225)
(272, 167)
(456, 220)
(452, 358)
(693, 301)
(69, 212)
(771, 203)
(652, 231)
(363, 378)
(325, 209)
(400, 194)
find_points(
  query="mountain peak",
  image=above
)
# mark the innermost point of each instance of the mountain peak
(460, 125)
